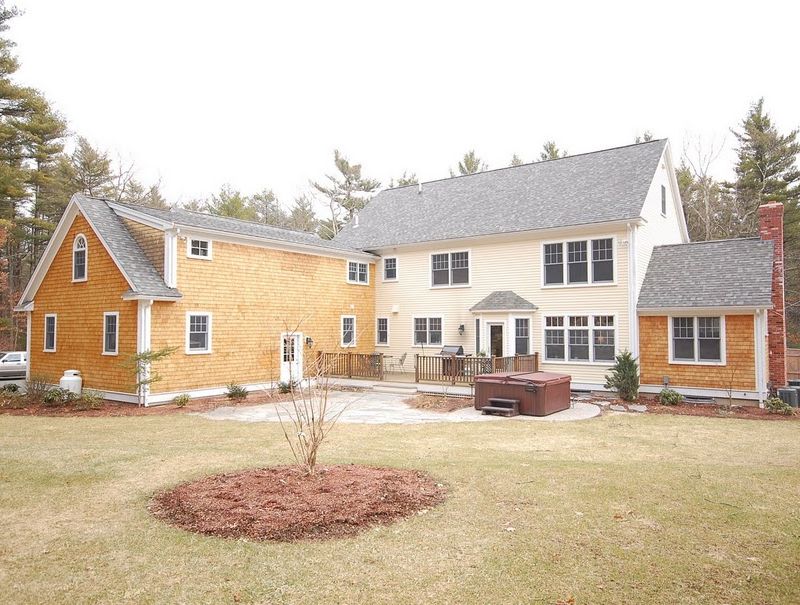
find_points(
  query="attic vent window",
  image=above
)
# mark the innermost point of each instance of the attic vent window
(79, 248)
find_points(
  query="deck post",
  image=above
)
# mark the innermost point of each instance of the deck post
(416, 367)
(380, 366)
(349, 364)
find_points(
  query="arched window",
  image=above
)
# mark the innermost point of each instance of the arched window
(79, 263)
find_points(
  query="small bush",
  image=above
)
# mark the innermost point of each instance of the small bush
(669, 397)
(624, 377)
(10, 388)
(285, 387)
(89, 400)
(36, 386)
(776, 405)
(236, 392)
(181, 400)
(12, 400)
(58, 396)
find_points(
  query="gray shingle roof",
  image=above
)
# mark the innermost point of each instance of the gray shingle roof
(503, 300)
(724, 273)
(188, 218)
(145, 279)
(589, 188)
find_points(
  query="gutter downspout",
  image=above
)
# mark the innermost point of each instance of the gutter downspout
(28, 319)
(143, 339)
(633, 316)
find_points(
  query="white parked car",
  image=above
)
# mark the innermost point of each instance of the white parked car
(13, 364)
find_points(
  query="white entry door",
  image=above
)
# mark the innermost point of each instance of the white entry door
(291, 357)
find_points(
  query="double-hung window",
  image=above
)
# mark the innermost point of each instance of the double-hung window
(79, 268)
(50, 326)
(522, 332)
(450, 269)
(577, 263)
(357, 273)
(553, 264)
(697, 339)
(382, 331)
(580, 338)
(602, 260)
(348, 330)
(198, 333)
(567, 263)
(198, 248)
(390, 269)
(427, 331)
(110, 333)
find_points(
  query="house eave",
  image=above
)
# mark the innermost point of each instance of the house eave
(701, 309)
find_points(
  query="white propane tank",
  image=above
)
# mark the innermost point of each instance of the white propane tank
(71, 381)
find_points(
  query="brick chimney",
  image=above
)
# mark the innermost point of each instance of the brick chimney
(770, 227)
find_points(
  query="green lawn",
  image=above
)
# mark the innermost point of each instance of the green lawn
(621, 509)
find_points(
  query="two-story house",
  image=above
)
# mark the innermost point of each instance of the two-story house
(552, 257)
(236, 301)
(575, 259)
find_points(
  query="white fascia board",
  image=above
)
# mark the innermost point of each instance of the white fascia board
(24, 308)
(141, 217)
(700, 310)
(567, 231)
(262, 242)
(137, 296)
(676, 193)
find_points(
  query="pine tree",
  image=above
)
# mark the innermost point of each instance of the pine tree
(91, 169)
(268, 209)
(516, 160)
(346, 192)
(550, 151)
(624, 377)
(470, 164)
(302, 216)
(404, 181)
(230, 202)
(766, 171)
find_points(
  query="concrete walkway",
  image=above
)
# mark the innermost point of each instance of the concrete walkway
(389, 408)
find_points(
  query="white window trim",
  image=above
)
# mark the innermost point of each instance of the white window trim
(428, 316)
(347, 272)
(85, 258)
(55, 333)
(208, 350)
(388, 333)
(105, 325)
(341, 332)
(564, 263)
(696, 362)
(450, 269)
(514, 318)
(396, 269)
(189, 254)
(591, 327)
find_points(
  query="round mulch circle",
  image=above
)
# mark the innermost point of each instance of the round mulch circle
(284, 504)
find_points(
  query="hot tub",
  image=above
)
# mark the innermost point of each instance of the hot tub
(538, 393)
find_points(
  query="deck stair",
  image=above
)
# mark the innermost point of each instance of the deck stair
(502, 407)
(398, 388)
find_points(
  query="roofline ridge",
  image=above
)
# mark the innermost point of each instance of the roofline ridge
(714, 241)
(576, 155)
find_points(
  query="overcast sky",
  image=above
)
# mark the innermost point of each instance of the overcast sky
(259, 94)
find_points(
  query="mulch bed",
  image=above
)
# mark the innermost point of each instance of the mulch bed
(284, 504)
(751, 412)
(440, 403)
(114, 408)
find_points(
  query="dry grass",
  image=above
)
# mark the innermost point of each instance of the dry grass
(621, 509)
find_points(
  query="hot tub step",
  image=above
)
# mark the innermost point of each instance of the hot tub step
(499, 402)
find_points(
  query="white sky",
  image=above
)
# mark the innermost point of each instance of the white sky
(258, 94)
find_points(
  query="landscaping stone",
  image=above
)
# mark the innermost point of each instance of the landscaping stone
(635, 407)
(617, 408)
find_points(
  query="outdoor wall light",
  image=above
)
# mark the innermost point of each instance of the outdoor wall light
(461, 330)
(309, 341)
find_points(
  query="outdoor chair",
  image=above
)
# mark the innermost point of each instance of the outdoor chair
(396, 364)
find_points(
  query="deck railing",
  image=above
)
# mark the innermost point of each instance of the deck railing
(351, 365)
(454, 369)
